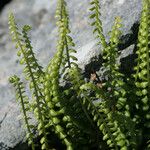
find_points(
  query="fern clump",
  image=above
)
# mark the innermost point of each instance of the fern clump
(121, 118)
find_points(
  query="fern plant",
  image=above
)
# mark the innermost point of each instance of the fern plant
(121, 118)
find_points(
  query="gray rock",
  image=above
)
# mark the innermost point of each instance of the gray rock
(40, 14)
(126, 52)
(11, 130)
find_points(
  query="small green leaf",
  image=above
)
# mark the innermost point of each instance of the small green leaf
(121, 143)
(92, 16)
(43, 146)
(74, 58)
(105, 137)
(93, 8)
(42, 140)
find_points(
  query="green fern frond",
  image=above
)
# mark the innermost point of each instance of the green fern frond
(53, 95)
(52, 88)
(14, 30)
(30, 69)
(24, 102)
(30, 52)
(142, 70)
(95, 16)
(142, 75)
(115, 78)
(110, 53)
(64, 31)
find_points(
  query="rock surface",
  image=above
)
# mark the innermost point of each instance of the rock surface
(40, 14)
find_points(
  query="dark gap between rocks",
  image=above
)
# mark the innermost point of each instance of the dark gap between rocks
(21, 146)
(127, 63)
(3, 3)
(130, 38)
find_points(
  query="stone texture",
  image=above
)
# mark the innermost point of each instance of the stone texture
(40, 14)
(11, 131)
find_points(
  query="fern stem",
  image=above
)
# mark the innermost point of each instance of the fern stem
(67, 53)
(87, 115)
(25, 115)
(23, 100)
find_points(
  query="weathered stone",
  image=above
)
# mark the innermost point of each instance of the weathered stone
(11, 130)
